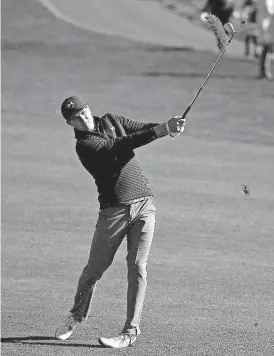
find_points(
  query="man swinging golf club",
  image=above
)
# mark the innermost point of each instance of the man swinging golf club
(105, 147)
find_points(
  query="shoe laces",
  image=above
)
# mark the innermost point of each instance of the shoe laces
(123, 337)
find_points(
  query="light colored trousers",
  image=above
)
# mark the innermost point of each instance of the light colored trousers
(136, 221)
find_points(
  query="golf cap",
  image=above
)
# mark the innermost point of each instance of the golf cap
(71, 106)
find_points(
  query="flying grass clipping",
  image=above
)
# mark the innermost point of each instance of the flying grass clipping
(219, 31)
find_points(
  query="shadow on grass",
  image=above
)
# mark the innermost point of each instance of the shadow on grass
(197, 75)
(43, 340)
(170, 49)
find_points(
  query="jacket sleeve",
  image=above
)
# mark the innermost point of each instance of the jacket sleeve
(132, 126)
(98, 144)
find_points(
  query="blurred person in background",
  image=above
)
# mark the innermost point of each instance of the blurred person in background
(249, 14)
(265, 24)
(223, 9)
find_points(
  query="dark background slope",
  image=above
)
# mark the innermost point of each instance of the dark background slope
(211, 266)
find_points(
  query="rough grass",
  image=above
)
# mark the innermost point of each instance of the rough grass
(211, 265)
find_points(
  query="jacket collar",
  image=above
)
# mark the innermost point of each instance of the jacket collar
(85, 134)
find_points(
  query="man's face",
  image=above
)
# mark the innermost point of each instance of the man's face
(83, 120)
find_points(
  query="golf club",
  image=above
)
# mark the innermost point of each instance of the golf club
(218, 29)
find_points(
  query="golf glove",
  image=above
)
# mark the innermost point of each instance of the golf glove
(175, 126)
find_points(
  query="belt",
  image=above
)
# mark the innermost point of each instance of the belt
(127, 202)
(137, 200)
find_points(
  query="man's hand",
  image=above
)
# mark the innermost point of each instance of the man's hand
(173, 127)
(176, 126)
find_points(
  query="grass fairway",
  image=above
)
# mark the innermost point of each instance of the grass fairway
(211, 267)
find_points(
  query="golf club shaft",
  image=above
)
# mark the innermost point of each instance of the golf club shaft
(207, 77)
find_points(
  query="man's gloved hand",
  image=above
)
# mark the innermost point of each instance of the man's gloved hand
(203, 16)
(265, 24)
(175, 126)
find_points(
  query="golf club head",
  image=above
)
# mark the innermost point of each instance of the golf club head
(229, 28)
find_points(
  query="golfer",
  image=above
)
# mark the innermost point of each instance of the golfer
(105, 147)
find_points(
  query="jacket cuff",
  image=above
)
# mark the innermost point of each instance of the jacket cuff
(160, 130)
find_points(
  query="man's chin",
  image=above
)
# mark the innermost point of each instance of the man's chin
(89, 128)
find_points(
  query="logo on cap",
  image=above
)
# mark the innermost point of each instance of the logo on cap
(70, 104)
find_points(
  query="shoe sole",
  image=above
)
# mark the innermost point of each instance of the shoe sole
(111, 347)
(102, 344)
(64, 336)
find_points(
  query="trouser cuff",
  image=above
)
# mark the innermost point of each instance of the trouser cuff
(132, 331)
